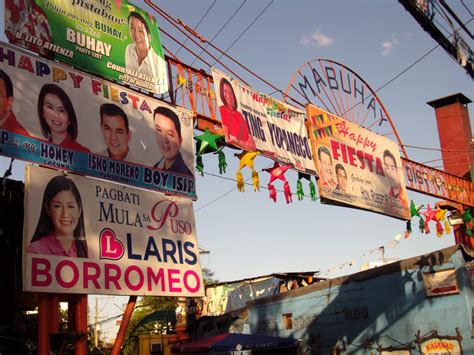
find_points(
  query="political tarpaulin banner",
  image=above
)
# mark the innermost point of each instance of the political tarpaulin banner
(60, 117)
(257, 122)
(113, 39)
(356, 167)
(82, 235)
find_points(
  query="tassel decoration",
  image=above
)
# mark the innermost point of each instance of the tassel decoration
(240, 181)
(199, 164)
(299, 190)
(222, 162)
(255, 180)
(272, 191)
(312, 191)
(287, 190)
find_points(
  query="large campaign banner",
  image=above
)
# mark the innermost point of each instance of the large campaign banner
(257, 122)
(56, 116)
(82, 235)
(356, 167)
(113, 39)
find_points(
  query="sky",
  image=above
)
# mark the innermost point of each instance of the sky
(247, 234)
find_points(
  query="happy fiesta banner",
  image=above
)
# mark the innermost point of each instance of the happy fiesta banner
(254, 121)
(101, 119)
(356, 167)
(111, 38)
(83, 235)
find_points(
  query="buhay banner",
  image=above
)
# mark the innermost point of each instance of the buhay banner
(82, 235)
(356, 167)
(256, 122)
(56, 116)
(114, 39)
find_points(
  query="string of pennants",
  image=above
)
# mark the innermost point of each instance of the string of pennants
(391, 244)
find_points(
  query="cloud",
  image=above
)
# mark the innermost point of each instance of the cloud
(389, 46)
(317, 39)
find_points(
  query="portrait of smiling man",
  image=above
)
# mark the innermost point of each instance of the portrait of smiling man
(116, 133)
(140, 55)
(169, 140)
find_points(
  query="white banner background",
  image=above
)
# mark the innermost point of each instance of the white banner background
(139, 242)
(278, 130)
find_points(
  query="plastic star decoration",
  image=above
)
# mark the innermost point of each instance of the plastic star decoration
(277, 172)
(246, 159)
(430, 215)
(208, 142)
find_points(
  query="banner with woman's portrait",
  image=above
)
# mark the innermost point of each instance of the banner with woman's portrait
(53, 115)
(113, 39)
(356, 167)
(257, 122)
(82, 235)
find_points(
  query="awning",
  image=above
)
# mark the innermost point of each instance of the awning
(235, 341)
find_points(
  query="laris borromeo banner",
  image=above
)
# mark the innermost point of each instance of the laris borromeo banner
(356, 167)
(257, 122)
(60, 117)
(83, 235)
(114, 39)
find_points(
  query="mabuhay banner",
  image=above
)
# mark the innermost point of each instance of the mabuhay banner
(356, 167)
(82, 235)
(53, 115)
(257, 122)
(111, 38)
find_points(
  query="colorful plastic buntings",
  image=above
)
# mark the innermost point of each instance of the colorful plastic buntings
(299, 187)
(278, 172)
(207, 143)
(246, 160)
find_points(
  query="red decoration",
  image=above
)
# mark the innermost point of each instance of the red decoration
(288, 194)
(277, 172)
(273, 193)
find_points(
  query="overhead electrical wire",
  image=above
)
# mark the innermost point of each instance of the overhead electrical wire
(448, 158)
(246, 29)
(438, 149)
(175, 23)
(222, 28)
(195, 27)
(465, 6)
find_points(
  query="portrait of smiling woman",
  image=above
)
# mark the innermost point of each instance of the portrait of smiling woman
(57, 118)
(60, 229)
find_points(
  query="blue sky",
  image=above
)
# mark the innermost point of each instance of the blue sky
(248, 234)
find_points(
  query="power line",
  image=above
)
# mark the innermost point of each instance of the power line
(246, 29)
(222, 27)
(438, 149)
(195, 28)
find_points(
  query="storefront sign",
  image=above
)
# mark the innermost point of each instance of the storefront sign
(440, 346)
(437, 183)
(59, 117)
(114, 39)
(257, 122)
(356, 167)
(83, 235)
(440, 283)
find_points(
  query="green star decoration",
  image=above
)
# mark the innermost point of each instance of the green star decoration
(208, 142)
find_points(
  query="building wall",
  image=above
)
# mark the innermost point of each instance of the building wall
(386, 307)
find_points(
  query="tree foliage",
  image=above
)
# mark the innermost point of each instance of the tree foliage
(150, 304)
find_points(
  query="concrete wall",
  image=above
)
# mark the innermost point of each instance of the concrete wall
(386, 306)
